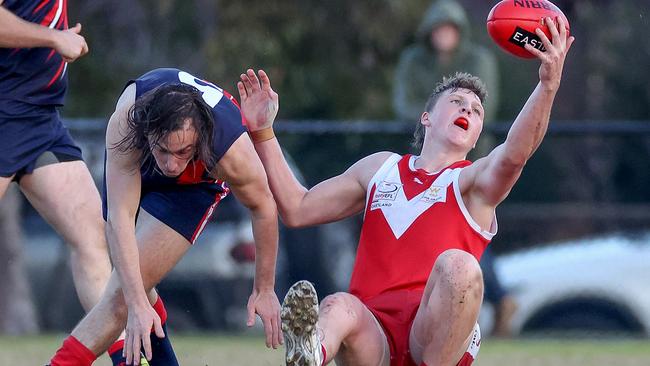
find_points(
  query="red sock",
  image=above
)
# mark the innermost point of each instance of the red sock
(73, 353)
(423, 364)
(116, 347)
(322, 347)
(159, 307)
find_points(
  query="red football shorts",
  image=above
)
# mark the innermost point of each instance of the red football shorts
(395, 312)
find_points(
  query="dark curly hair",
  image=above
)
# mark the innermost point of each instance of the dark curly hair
(460, 80)
(163, 110)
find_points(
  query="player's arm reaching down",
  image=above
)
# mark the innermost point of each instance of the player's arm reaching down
(241, 168)
(490, 179)
(18, 33)
(123, 197)
(331, 200)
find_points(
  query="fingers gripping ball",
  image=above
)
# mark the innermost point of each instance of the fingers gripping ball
(512, 24)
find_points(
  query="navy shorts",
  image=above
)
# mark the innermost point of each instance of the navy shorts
(184, 208)
(27, 136)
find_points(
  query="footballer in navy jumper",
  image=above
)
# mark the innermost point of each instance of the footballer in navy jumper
(175, 146)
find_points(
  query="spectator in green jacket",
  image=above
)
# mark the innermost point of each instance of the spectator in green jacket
(444, 46)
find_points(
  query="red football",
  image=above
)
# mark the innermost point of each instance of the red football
(512, 24)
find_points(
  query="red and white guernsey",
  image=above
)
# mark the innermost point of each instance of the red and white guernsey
(411, 217)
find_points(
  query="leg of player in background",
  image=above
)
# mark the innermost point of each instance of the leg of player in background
(495, 294)
(66, 197)
(160, 248)
(17, 311)
(346, 330)
(4, 184)
(444, 324)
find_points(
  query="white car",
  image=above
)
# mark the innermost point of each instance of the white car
(594, 286)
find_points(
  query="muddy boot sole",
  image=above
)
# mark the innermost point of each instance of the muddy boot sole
(299, 318)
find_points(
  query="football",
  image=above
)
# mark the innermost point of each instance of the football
(512, 24)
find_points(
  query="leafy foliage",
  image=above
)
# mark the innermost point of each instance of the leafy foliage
(335, 59)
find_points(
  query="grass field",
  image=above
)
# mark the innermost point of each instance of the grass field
(213, 350)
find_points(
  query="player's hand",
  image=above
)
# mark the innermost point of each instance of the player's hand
(70, 44)
(259, 103)
(550, 72)
(141, 320)
(266, 305)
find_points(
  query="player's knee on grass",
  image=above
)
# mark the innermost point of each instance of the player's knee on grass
(459, 273)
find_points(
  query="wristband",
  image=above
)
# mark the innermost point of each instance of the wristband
(262, 135)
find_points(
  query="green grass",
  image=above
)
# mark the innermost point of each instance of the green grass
(213, 350)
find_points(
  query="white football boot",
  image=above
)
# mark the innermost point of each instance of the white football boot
(299, 318)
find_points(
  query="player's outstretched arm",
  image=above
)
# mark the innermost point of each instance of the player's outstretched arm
(492, 177)
(242, 169)
(123, 196)
(331, 200)
(18, 33)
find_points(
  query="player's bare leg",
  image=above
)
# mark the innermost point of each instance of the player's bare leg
(351, 334)
(346, 328)
(67, 198)
(160, 248)
(444, 323)
(4, 184)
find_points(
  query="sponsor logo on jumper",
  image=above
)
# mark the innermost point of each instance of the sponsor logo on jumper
(434, 194)
(378, 204)
(387, 191)
(385, 194)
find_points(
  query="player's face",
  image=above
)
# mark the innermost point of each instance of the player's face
(458, 116)
(176, 150)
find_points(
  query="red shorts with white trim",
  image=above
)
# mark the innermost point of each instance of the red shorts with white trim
(395, 312)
